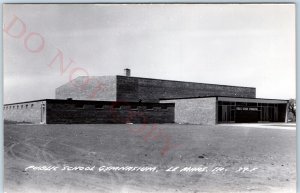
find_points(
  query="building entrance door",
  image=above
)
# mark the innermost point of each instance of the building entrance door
(247, 116)
(224, 113)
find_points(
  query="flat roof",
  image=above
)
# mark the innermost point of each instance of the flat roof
(32, 101)
(255, 100)
(87, 101)
(234, 99)
(184, 81)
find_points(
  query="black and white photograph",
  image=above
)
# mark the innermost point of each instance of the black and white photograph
(149, 98)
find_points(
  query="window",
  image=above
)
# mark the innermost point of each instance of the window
(149, 108)
(32, 105)
(241, 104)
(134, 107)
(79, 106)
(251, 104)
(17, 106)
(226, 103)
(21, 106)
(99, 106)
(26, 106)
(117, 106)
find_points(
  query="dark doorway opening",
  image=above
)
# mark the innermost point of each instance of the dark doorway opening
(250, 112)
(247, 116)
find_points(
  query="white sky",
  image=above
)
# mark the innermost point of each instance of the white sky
(242, 45)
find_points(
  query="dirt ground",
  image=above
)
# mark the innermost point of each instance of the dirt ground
(234, 159)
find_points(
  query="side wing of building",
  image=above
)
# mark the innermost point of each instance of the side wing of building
(25, 112)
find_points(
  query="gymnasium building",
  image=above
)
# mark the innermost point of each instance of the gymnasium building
(127, 99)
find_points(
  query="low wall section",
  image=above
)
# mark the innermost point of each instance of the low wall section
(195, 110)
(85, 112)
(27, 112)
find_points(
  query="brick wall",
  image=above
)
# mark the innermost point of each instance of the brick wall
(89, 88)
(195, 111)
(123, 88)
(133, 89)
(108, 112)
(28, 112)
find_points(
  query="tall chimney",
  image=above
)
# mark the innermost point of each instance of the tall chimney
(127, 71)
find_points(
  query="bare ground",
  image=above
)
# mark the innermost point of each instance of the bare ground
(272, 152)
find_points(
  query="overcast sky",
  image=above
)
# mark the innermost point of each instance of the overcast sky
(242, 45)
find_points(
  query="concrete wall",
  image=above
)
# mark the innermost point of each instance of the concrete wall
(151, 90)
(195, 111)
(107, 112)
(89, 88)
(27, 112)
